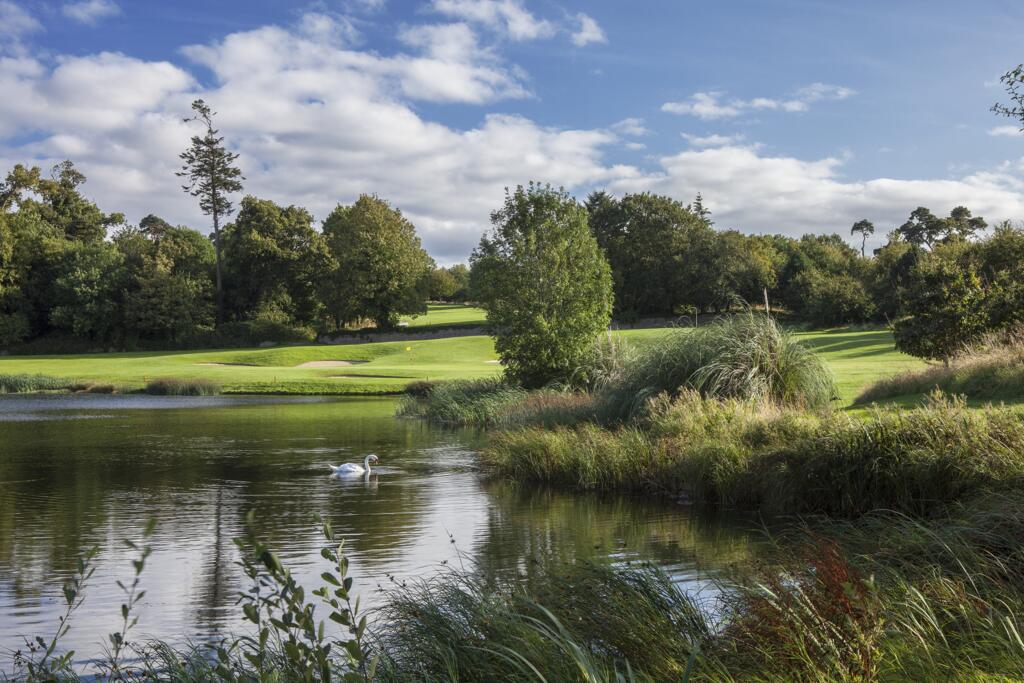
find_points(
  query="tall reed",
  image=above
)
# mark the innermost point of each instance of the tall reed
(183, 387)
(780, 460)
(19, 384)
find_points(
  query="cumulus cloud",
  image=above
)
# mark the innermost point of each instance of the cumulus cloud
(507, 16)
(779, 194)
(317, 121)
(713, 140)
(712, 105)
(588, 32)
(630, 126)
(15, 24)
(1005, 131)
(90, 11)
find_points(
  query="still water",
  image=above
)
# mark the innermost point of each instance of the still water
(83, 471)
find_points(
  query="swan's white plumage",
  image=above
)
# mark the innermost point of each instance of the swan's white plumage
(350, 469)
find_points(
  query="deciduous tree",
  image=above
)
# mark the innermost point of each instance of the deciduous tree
(380, 268)
(544, 283)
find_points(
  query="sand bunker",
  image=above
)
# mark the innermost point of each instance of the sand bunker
(329, 363)
(492, 362)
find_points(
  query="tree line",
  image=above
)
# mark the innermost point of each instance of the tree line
(155, 284)
(286, 278)
(70, 272)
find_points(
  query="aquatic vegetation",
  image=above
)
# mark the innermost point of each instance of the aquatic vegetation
(20, 384)
(182, 387)
(780, 460)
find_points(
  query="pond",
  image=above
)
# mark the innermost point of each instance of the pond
(84, 470)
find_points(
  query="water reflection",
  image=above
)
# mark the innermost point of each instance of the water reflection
(83, 471)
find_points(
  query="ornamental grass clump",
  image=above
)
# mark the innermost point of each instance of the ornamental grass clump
(747, 356)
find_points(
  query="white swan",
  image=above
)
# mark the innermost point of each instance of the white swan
(350, 469)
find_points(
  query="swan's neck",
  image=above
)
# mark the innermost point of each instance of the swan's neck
(366, 464)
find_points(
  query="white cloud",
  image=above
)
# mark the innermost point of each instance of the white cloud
(317, 122)
(713, 140)
(704, 105)
(507, 16)
(778, 194)
(1005, 131)
(90, 11)
(711, 105)
(589, 31)
(630, 126)
(15, 24)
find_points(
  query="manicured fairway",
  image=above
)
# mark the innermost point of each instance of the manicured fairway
(856, 357)
(448, 315)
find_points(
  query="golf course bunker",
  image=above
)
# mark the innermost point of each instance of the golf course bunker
(329, 363)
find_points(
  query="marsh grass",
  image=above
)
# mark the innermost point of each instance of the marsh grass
(780, 460)
(20, 384)
(182, 387)
(991, 370)
(492, 403)
(885, 597)
(583, 622)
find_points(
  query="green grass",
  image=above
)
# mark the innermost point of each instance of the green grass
(24, 383)
(780, 460)
(992, 371)
(856, 357)
(441, 316)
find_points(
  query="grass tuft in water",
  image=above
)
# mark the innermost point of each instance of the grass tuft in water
(183, 387)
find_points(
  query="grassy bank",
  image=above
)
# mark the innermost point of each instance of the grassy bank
(780, 460)
(992, 371)
(856, 358)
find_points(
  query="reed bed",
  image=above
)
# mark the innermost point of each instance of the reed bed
(887, 597)
(21, 384)
(780, 460)
(493, 403)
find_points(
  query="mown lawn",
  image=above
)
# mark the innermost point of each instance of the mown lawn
(856, 356)
(441, 316)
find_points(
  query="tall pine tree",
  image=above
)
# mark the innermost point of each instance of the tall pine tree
(212, 176)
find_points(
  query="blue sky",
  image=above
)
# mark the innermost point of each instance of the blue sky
(789, 116)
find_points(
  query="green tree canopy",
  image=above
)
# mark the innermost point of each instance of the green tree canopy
(652, 244)
(380, 268)
(211, 176)
(946, 309)
(544, 283)
(274, 260)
